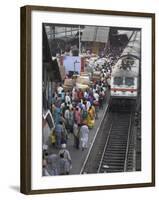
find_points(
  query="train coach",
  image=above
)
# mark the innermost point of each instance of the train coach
(125, 77)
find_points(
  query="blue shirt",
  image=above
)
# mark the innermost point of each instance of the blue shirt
(59, 129)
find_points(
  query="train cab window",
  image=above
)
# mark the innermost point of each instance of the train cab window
(118, 80)
(129, 81)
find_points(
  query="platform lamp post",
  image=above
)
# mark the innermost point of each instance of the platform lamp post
(79, 40)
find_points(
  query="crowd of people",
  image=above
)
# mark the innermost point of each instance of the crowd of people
(75, 108)
(74, 112)
(57, 164)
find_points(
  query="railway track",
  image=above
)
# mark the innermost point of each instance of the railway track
(112, 149)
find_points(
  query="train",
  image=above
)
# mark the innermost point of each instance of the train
(125, 76)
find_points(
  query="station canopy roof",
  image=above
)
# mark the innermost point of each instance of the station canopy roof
(62, 32)
(95, 34)
(124, 32)
(134, 46)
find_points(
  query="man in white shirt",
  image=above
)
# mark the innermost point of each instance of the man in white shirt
(96, 96)
(84, 135)
(96, 103)
(67, 98)
(59, 89)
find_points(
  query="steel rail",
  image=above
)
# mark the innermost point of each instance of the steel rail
(128, 143)
(105, 147)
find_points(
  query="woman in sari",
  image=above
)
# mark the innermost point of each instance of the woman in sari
(90, 117)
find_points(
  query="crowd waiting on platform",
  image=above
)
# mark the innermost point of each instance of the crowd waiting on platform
(75, 108)
(74, 112)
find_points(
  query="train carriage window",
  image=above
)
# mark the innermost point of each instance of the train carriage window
(118, 80)
(129, 81)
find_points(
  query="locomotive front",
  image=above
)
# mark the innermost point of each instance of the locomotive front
(125, 77)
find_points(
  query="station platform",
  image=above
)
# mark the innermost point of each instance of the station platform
(77, 155)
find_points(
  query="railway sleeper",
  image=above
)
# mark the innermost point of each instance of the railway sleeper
(121, 125)
(119, 145)
(114, 146)
(119, 157)
(112, 171)
(120, 131)
(119, 137)
(117, 150)
(119, 167)
(117, 153)
(114, 161)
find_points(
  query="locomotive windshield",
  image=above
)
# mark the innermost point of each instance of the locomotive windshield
(118, 80)
(129, 81)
